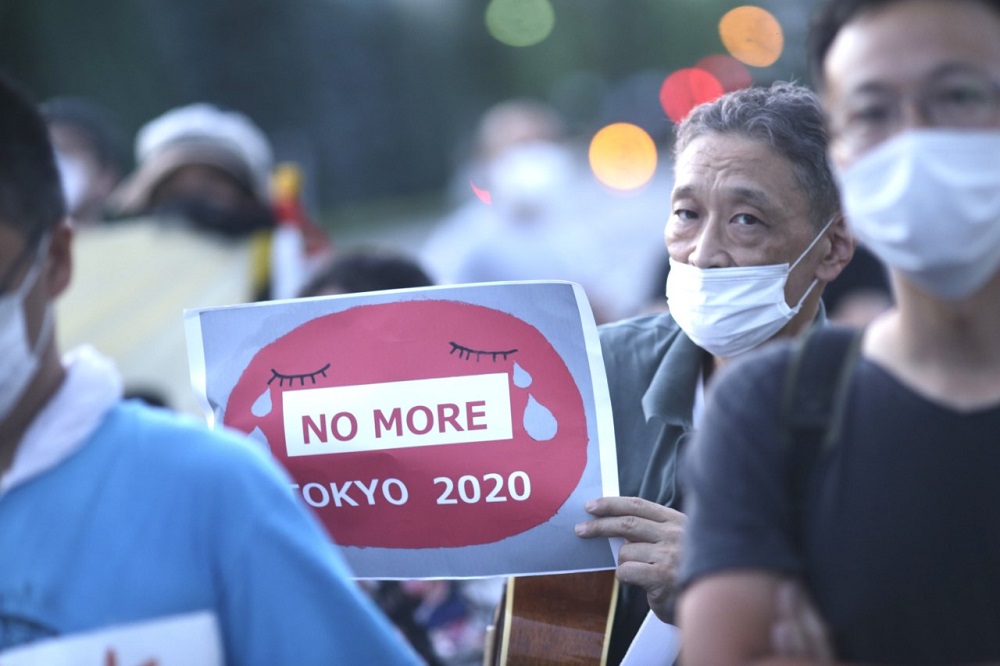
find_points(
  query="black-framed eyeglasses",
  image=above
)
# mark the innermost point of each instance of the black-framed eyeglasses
(957, 99)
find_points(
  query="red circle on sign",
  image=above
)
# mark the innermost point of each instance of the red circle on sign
(458, 494)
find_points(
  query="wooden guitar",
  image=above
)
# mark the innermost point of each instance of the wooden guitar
(554, 619)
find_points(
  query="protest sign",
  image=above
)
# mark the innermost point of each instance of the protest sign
(436, 432)
(192, 639)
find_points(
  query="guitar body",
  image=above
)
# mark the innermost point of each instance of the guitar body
(556, 619)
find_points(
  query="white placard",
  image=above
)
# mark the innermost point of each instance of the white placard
(181, 640)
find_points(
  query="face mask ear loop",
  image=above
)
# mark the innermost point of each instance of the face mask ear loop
(802, 256)
(26, 286)
(813, 243)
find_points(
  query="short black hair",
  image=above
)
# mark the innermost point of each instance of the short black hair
(31, 197)
(368, 269)
(832, 16)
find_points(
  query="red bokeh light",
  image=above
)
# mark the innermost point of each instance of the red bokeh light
(481, 194)
(728, 71)
(685, 89)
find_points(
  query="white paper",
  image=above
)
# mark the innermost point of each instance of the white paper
(181, 640)
(656, 644)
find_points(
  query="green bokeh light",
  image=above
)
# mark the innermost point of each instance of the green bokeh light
(520, 22)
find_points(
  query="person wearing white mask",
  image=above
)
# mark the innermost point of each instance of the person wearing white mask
(114, 513)
(754, 235)
(898, 538)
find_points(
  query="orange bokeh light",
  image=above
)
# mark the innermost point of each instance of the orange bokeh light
(685, 89)
(730, 72)
(623, 156)
(752, 35)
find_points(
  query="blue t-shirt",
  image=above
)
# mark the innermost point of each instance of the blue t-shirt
(154, 515)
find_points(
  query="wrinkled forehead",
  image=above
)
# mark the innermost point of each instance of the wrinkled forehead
(742, 166)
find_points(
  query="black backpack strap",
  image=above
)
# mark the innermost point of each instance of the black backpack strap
(812, 406)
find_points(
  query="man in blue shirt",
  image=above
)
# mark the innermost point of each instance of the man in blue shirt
(113, 513)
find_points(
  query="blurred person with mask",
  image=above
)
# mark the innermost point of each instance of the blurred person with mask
(534, 210)
(203, 166)
(90, 150)
(192, 227)
(892, 530)
(755, 235)
(519, 169)
(115, 513)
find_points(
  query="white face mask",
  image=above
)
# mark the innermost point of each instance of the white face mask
(927, 203)
(728, 311)
(530, 176)
(73, 176)
(19, 361)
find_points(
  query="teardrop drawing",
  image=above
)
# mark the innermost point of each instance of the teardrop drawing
(262, 405)
(521, 377)
(539, 422)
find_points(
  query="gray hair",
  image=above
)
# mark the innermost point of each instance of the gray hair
(787, 118)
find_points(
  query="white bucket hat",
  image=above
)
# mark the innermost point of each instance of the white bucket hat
(196, 134)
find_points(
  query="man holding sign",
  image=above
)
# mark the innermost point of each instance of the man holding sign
(113, 513)
(754, 235)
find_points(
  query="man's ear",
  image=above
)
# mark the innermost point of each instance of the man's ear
(840, 250)
(59, 262)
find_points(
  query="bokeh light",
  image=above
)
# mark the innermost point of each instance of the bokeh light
(483, 195)
(520, 22)
(752, 35)
(685, 89)
(623, 156)
(728, 71)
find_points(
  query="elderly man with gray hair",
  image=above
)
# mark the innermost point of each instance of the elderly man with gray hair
(754, 235)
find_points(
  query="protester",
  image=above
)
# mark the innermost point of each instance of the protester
(539, 214)
(113, 512)
(207, 166)
(890, 525)
(524, 168)
(192, 228)
(754, 237)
